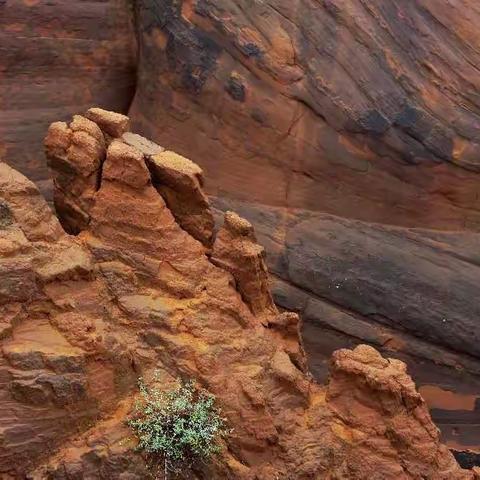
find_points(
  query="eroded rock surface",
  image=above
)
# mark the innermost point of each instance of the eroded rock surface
(237, 251)
(58, 58)
(365, 110)
(385, 413)
(293, 108)
(408, 292)
(141, 295)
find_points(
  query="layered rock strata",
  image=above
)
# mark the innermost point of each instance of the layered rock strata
(133, 293)
(294, 108)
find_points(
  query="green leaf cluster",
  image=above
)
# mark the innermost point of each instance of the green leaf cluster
(182, 424)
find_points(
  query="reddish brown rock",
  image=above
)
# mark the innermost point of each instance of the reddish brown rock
(75, 153)
(237, 251)
(387, 417)
(180, 182)
(296, 107)
(408, 292)
(360, 111)
(288, 327)
(366, 111)
(125, 164)
(141, 295)
(350, 108)
(58, 58)
(112, 123)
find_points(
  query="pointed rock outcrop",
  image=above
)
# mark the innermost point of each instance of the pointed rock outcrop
(237, 251)
(135, 293)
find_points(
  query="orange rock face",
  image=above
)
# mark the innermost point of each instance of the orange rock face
(366, 111)
(134, 292)
(237, 251)
(295, 109)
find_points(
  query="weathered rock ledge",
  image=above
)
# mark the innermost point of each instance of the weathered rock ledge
(143, 287)
(346, 132)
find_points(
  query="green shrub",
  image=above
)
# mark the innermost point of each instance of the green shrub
(180, 426)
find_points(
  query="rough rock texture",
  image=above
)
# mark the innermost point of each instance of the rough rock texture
(133, 293)
(237, 251)
(365, 110)
(360, 109)
(59, 57)
(180, 183)
(378, 400)
(409, 292)
(76, 155)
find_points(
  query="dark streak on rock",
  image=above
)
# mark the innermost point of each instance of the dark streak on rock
(467, 459)
(235, 89)
(374, 122)
(250, 50)
(6, 218)
(201, 8)
(259, 116)
(191, 53)
(193, 56)
(421, 126)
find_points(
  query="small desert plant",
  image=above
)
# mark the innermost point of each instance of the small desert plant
(180, 426)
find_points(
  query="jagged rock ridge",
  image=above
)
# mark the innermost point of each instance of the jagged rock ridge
(135, 291)
(294, 108)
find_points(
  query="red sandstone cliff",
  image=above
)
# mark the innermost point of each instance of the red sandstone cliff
(363, 109)
(134, 292)
(345, 131)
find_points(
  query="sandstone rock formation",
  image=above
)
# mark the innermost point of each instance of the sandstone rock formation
(83, 316)
(237, 251)
(332, 103)
(363, 110)
(58, 58)
(367, 111)
(409, 292)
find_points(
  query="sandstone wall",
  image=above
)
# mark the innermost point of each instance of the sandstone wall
(365, 111)
(134, 293)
